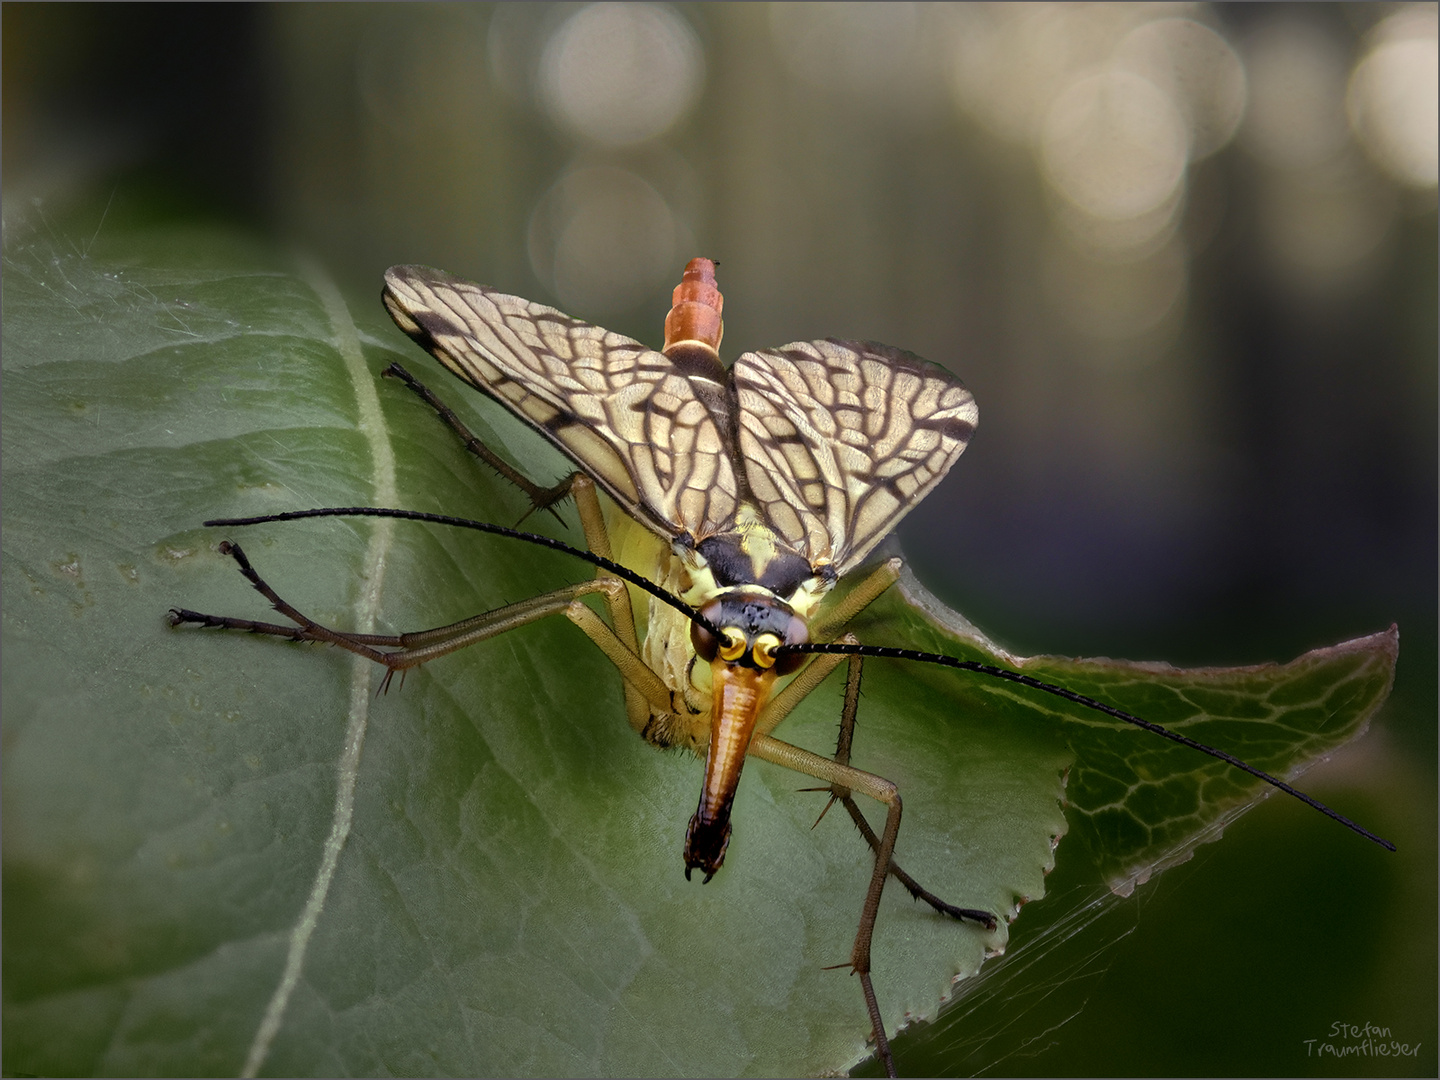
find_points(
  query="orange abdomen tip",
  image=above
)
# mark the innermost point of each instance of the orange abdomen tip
(694, 321)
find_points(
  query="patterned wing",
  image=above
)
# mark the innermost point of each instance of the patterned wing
(620, 410)
(841, 439)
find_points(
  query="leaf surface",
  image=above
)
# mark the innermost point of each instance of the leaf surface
(509, 898)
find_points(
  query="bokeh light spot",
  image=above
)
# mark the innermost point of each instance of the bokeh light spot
(604, 240)
(1012, 60)
(620, 74)
(1114, 145)
(1393, 95)
(1200, 72)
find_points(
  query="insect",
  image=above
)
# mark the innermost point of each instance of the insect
(761, 486)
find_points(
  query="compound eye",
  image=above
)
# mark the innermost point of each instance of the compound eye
(765, 646)
(789, 663)
(796, 633)
(706, 644)
(732, 644)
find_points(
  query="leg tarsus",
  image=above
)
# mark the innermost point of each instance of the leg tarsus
(838, 792)
(540, 498)
(404, 650)
(308, 628)
(882, 1044)
(847, 777)
(916, 890)
(181, 616)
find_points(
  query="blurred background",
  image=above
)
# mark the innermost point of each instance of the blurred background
(1184, 254)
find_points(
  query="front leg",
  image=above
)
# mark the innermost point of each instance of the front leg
(841, 794)
(784, 702)
(587, 502)
(400, 652)
(771, 749)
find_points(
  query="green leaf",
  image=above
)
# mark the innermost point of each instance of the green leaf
(507, 893)
(1138, 802)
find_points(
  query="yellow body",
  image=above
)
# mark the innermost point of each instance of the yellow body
(664, 633)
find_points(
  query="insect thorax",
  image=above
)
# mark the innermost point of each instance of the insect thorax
(747, 558)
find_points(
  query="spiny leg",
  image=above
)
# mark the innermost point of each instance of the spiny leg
(860, 597)
(405, 650)
(841, 794)
(410, 650)
(622, 615)
(305, 628)
(769, 748)
(577, 484)
(541, 498)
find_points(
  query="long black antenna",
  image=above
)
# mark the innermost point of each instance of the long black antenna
(608, 565)
(884, 652)
(833, 648)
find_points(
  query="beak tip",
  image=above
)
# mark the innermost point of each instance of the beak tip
(705, 844)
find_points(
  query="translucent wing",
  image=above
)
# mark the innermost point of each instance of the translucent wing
(623, 412)
(841, 439)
